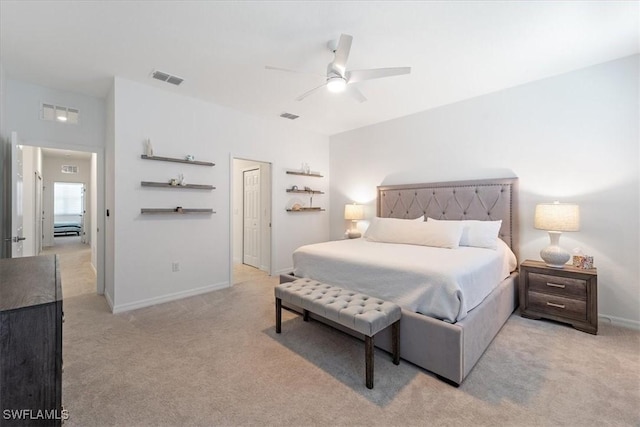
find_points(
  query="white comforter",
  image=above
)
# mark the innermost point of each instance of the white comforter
(441, 283)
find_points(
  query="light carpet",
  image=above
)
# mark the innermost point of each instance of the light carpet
(215, 359)
(76, 273)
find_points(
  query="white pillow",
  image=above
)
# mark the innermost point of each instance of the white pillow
(479, 234)
(442, 234)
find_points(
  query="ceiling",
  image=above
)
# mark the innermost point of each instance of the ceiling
(65, 154)
(457, 50)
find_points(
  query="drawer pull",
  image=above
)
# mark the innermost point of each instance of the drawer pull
(551, 304)
(555, 285)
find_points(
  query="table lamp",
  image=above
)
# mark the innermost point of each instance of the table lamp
(353, 212)
(556, 217)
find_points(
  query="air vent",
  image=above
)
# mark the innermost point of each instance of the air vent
(289, 116)
(174, 80)
(69, 169)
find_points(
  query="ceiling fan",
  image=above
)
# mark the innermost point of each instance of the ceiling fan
(338, 79)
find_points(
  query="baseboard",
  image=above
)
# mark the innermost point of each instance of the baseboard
(108, 298)
(619, 321)
(167, 298)
(94, 269)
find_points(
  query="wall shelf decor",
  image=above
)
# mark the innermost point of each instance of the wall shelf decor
(179, 211)
(311, 209)
(170, 159)
(313, 174)
(297, 206)
(289, 190)
(186, 186)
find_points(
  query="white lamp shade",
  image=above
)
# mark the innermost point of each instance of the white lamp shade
(557, 217)
(353, 212)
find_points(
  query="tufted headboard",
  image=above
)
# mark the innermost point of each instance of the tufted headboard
(487, 199)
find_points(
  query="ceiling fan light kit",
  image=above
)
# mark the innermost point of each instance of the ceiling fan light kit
(336, 84)
(338, 78)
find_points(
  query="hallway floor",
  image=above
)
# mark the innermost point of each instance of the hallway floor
(76, 272)
(243, 273)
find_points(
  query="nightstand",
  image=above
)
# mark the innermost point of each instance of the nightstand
(568, 294)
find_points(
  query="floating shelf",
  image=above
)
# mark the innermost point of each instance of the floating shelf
(305, 191)
(170, 159)
(316, 175)
(175, 211)
(167, 185)
(306, 210)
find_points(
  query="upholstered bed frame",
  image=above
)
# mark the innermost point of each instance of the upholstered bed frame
(452, 350)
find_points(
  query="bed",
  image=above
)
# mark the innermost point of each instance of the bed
(64, 225)
(451, 345)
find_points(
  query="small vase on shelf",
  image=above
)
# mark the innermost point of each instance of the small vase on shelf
(148, 148)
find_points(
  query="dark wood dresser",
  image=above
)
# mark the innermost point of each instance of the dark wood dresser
(568, 294)
(30, 341)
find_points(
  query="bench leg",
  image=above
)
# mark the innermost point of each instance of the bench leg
(278, 315)
(368, 354)
(305, 315)
(395, 336)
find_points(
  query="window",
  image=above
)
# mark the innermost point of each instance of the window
(67, 198)
(57, 113)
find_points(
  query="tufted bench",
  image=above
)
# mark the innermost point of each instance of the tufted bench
(359, 312)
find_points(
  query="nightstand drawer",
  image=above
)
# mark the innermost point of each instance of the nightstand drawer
(563, 286)
(557, 305)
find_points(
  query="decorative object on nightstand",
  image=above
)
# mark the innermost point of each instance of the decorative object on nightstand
(556, 217)
(353, 213)
(569, 295)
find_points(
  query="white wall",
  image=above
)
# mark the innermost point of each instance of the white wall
(5, 205)
(3, 92)
(23, 115)
(109, 199)
(145, 246)
(51, 173)
(572, 138)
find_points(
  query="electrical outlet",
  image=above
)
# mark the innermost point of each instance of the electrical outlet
(175, 266)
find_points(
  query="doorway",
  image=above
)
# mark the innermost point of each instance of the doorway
(79, 243)
(251, 220)
(69, 210)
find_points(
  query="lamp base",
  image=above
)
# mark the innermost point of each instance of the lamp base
(553, 255)
(353, 234)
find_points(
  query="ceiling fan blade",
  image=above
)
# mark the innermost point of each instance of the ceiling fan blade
(304, 95)
(353, 92)
(287, 70)
(339, 64)
(361, 75)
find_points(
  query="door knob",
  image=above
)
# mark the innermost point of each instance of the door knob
(18, 239)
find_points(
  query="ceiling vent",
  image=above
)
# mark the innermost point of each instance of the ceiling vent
(69, 169)
(165, 77)
(289, 116)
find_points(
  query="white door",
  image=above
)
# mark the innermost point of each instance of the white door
(251, 218)
(38, 214)
(16, 197)
(83, 239)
